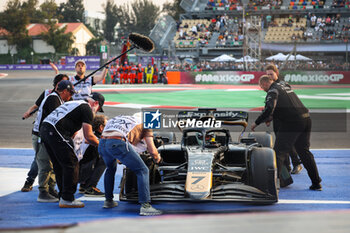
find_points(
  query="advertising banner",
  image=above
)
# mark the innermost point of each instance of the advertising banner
(317, 77)
(45, 67)
(89, 60)
(243, 77)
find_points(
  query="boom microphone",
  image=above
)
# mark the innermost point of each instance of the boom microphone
(138, 41)
(141, 42)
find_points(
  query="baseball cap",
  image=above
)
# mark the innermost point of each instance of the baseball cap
(98, 97)
(66, 84)
(79, 61)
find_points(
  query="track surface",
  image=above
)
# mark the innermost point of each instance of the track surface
(309, 211)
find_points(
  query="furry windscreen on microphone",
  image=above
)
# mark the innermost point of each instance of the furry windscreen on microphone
(142, 42)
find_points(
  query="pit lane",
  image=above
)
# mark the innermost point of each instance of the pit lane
(299, 207)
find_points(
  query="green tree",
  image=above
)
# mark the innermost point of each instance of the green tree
(173, 9)
(139, 16)
(55, 36)
(49, 10)
(72, 11)
(109, 24)
(93, 46)
(29, 7)
(15, 19)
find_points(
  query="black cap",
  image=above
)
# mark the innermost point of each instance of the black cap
(98, 97)
(66, 84)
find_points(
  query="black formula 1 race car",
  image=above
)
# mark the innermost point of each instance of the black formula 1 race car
(208, 166)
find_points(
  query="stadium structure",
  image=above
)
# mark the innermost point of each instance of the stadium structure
(253, 30)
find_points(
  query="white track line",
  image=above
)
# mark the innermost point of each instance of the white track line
(312, 202)
(323, 97)
(133, 106)
(3, 75)
(241, 89)
(340, 94)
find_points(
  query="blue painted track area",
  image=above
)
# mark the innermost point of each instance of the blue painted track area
(21, 210)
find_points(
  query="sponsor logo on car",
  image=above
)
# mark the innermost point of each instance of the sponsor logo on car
(157, 120)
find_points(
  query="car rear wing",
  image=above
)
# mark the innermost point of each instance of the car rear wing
(226, 117)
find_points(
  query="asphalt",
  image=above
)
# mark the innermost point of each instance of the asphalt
(19, 90)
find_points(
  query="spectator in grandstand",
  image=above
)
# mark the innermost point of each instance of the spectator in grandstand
(211, 4)
(223, 22)
(268, 19)
(217, 25)
(313, 20)
(194, 30)
(333, 21)
(181, 34)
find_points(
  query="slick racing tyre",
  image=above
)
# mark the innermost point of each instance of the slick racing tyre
(263, 138)
(263, 170)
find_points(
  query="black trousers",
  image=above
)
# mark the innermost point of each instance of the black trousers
(92, 167)
(292, 153)
(64, 161)
(297, 134)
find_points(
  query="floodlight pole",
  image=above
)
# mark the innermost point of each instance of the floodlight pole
(346, 55)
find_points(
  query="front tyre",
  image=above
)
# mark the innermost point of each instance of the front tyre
(263, 171)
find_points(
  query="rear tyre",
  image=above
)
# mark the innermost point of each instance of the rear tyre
(263, 171)
(263, 138)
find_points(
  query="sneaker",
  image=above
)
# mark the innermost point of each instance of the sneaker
(297, 169)
(82, 190)
(46, 197)
(148, 210)
(28, 186)
(109, 204)
(316, 187)
(71, 204)
(94, 192)
(53, 192)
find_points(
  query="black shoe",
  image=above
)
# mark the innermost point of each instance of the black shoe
(94, 192)
(109, 204)
(316, 187)
(46, 197)
(28, 186)
(53, 192)
(297, 169)
(82, 190)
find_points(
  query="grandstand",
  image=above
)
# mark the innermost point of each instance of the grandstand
(318, 29)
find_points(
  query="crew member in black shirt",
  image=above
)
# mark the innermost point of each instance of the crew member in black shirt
(57, 131)
(64, 92)
(273, 73)
(283, 104)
